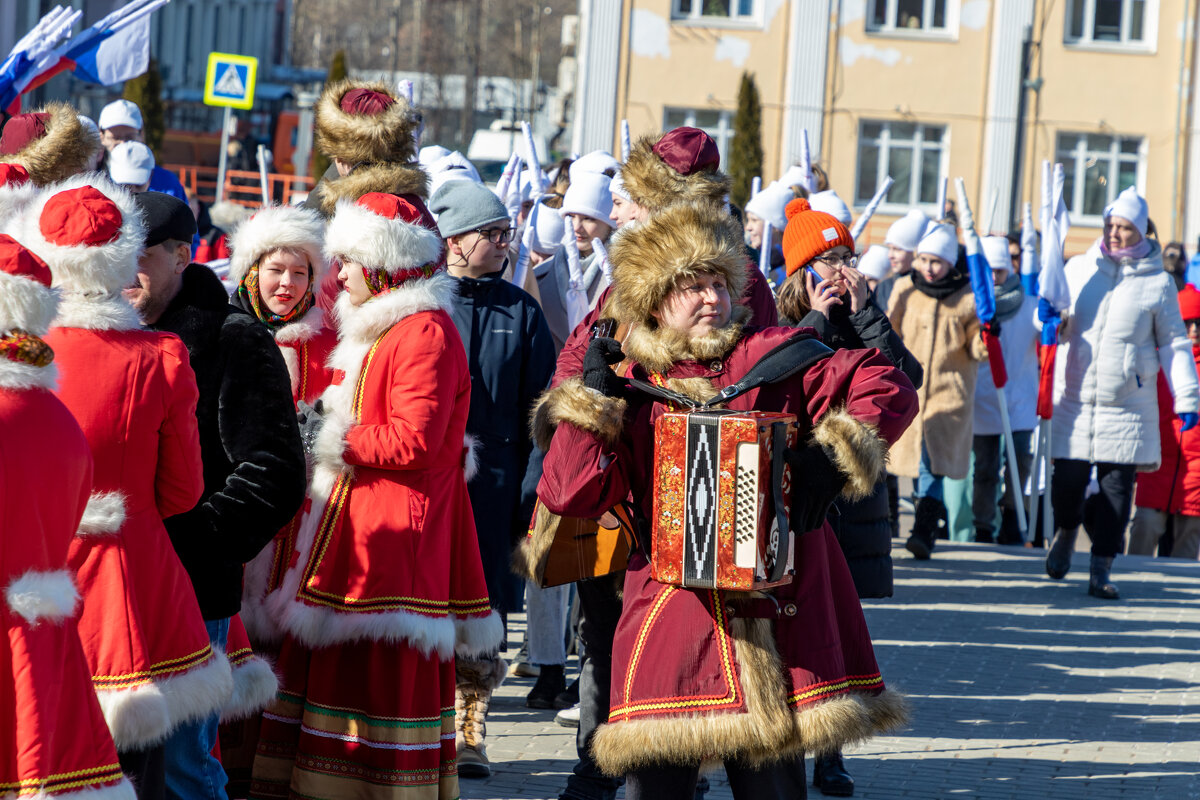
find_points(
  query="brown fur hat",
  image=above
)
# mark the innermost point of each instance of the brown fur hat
(365, 138)
(64, 150)
(655, 185)
(649, 258)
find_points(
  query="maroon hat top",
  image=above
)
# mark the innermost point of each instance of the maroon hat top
(13, 175)
(21, 130)
(366, 102)
(688, 150)
(17, 260)
(82, 216)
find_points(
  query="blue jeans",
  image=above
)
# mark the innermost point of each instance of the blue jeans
(928, 484)
(192, 771)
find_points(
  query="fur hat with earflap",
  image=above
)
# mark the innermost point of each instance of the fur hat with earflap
(278, 228)
(681, 166)
(27, 307)
(52, 144)
(90, 232)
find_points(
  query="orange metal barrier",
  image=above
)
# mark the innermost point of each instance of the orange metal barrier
(241, 186)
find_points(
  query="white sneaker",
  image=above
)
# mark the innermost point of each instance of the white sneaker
(568, 717)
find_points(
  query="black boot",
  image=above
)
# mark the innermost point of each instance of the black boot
(549, 684)
(1009, 532)
(1100, 583)
(1058, 560)
(928, 521)
(984, 536)
(831, 777)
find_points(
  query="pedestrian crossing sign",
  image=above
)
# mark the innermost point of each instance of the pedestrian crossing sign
(230, 80)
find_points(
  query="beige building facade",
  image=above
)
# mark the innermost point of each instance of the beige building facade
(921, 90)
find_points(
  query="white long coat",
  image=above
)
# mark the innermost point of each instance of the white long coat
(1123, 324)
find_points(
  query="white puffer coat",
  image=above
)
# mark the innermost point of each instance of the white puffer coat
(1123, 324)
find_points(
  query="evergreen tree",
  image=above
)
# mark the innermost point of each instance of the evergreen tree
(337, 72)
(146, 91)
(746, 153)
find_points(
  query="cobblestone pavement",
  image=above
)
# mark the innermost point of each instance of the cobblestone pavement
(1021, 687)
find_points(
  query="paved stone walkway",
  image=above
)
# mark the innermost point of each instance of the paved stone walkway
(1021, 687)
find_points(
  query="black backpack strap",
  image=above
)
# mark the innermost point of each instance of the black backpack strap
(780, 363)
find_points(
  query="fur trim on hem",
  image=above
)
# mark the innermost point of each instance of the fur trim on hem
(105, 513)
(65, 150)
(395, 178)
(119, 790)
(254, 687)
(326, 627)
(199, 692)
(584, 408)
(260, 625)
(103, 313)
(888, 710)
(43, 596)
(477, 636)
(855, 447)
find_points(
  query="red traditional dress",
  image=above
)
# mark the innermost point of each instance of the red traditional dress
(386, 583)
(701, 675)
(53, 740)
(134, 394)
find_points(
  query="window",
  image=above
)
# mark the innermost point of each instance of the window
(907, 15)
(1117, 22)
(707, 9)
(717, 124)
(1097, 168)
(913, 154)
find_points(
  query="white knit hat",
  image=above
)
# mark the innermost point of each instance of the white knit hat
(549, 232)
(906, 232)
(617, 187)
(770, 204)
(940, 240)
(589, 195)
(275, 227)
(1131, 206)
(995, 250)
(794, 177)
(595, 162)
(829, 202)
(874, 262)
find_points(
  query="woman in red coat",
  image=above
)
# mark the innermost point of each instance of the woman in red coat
(134, 394)
(702, 675)
(387, 585)
(53, 740)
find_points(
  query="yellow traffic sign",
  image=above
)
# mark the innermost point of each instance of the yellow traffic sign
(230, 80)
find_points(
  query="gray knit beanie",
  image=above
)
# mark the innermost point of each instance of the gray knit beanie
(462, 206)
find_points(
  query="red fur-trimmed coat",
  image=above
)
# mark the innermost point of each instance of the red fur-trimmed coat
(53, 741)
(699, 679)
(134, 395)
(387, 550)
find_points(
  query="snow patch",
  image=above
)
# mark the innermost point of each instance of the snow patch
(733, 49)
(853, 11)
(650, 34)
(852, 51)
(974, 14)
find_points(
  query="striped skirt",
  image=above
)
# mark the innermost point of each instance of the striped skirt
(368, 720)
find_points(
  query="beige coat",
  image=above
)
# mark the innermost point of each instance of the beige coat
(944, 337)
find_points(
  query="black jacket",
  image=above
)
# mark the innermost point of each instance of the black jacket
(862, 527)
(511, 355)
(254, 472)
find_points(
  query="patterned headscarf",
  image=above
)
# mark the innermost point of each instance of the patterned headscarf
(379, 280)
(25, 348)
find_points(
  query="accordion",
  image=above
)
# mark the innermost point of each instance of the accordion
(722, 494)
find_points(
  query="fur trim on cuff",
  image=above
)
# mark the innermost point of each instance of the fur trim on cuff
(855, 447)
(18, 377)
(584, 408)
(529, 556)
(199, 692)
(477, 636)
(485, 673)
(26, 304)
(43, 596)
(104, 514)
(471, 447)
(137, 717)
(326, 627)
(254, 687)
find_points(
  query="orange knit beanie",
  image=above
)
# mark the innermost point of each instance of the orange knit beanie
(810, 233)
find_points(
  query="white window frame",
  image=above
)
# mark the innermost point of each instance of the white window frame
(733, 20)
(1087, 41)
(1080, 155)
(884, 143)
(722, 134)
(890, 28)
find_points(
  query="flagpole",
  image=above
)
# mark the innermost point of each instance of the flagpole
(263, 181)
(224, 151)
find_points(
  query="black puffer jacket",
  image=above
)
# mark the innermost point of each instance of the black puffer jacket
(254, 472)
(862, 527)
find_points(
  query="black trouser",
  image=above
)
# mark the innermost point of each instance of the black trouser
(1105, 514)
(146, 770)
(599, 611)
(782, 781)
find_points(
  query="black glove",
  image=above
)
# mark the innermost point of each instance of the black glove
(310, 419)
(816, 483)
(597, 369)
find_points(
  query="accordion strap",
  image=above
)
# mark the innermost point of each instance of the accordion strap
(780, 363)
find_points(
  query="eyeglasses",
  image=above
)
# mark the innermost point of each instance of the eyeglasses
(850, 261)
(496, 235)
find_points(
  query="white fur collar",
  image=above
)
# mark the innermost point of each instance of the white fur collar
(372, 319)
(18, 375)
(303, 329)
(96, 312)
